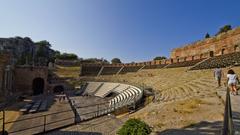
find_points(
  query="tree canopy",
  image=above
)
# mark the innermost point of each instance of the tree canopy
(66, 56)
(225, 28)
(116, 61)
(160, 58)
(207, 36)
(44, 43)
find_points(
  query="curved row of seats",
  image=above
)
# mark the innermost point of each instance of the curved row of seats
(126, 94)
(219, 61)
(127, 97)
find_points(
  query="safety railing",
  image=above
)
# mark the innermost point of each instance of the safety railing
(48, 122)
(228, 127)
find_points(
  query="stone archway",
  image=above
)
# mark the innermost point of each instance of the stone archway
(58, 89)
(38, 86)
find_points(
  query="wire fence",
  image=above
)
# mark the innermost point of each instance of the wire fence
(48, 122)
(56, 120)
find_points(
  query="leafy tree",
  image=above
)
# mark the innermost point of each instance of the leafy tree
(224, 29)
(116, 61)
(44, 43)
(56, 54)
(160, 58)
(67, 56)
(134, 127)
(104, 61)
(207, 36)
(41, 52)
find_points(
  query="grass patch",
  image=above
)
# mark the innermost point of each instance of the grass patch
(67, 71)
(160, 125)
(188, 106)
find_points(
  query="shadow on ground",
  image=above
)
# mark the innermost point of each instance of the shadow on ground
(202, 128)
(236, 121)
(76, 133)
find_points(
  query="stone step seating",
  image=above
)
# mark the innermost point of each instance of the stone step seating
(90, 70)
(26, 107)
(221, 61)
(106, 89)
(127, 97)
(121, 88)
(87, 110)
(155, 66)
(184, 64)
(130, 69)
(110, 70)
(35, 107)
(43, 106)
(92, 87)
(196, 88)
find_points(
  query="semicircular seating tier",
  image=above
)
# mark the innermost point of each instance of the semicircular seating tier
(122, 94)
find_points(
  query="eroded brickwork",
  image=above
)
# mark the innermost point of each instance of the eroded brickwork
(4, 61)
(222, 44)
(24, 77)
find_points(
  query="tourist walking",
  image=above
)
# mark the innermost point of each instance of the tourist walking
(218, 75)
(232, 80)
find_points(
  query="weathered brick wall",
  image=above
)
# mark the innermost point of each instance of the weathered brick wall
(4, 60)
(223, 43)
(24, 77)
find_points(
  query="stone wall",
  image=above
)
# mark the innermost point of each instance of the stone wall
(4, 61)
(24, 77)
(224, 43)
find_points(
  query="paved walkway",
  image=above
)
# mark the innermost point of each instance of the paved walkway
(235, 102)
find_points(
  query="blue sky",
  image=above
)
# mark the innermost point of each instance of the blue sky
(132, 30)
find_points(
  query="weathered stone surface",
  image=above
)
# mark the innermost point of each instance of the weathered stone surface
(24, 77)
(224, 43)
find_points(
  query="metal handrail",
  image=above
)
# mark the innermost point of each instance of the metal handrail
(228, 126)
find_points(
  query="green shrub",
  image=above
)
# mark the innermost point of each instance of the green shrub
(134, 127)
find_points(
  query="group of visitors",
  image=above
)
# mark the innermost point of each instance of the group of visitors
(231, 79)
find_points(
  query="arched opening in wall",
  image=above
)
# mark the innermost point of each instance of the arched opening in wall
(192, 57)
(178, 60)
(58, 89)
(223, 51)
(236, 48)
(211, 53)
(38, 86)
(201, 56)
(185, 58)
(171, 60)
